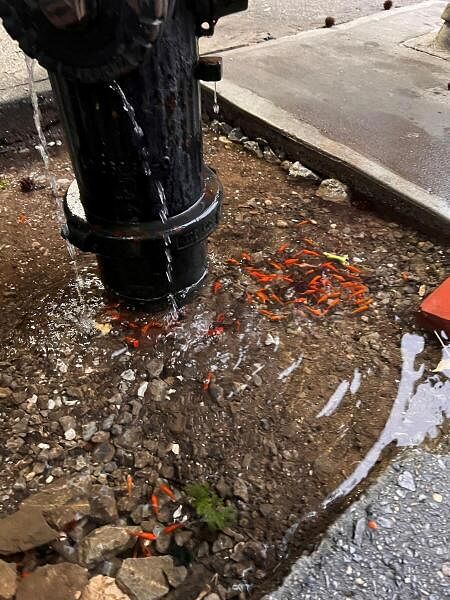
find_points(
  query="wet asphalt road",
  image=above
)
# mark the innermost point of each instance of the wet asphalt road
(405, 556)
(278, 18)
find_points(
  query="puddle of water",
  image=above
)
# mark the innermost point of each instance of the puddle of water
(416, 414)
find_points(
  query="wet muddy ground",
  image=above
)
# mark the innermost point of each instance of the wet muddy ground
(235, 387)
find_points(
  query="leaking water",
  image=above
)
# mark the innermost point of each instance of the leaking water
(163, 210)
(42, 148)
(216, 107)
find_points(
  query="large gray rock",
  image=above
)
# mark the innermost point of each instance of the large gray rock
(24, 530)
(103, 588)
(54, 582)
(8, 580)
(148, 578)
(104, 543)
(62, 502)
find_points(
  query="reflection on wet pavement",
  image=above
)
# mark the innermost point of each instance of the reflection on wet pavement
(416, 414)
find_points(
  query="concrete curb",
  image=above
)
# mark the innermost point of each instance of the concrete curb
(388, 192)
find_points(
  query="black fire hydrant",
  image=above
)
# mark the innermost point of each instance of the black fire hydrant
(126, 74)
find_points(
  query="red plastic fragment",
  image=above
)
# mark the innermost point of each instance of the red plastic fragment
(434, 312)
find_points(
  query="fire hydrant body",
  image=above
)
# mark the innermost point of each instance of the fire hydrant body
(125, 74)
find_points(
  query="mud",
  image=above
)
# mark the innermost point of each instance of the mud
(247, 398)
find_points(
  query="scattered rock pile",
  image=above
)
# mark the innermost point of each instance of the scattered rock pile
(75, 540)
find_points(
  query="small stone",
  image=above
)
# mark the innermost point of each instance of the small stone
(100, 436)
(254, 148)
(266, 510)
(282, 224)
(142, 458)
(235, 135)
(182, 537)
(178, 423)
(88, 430)
(67, 423)
(8, 580)
(162, 544)
(104, 543)
(70, 435)
(155, 367)
(131, 438)
(223, 542)
(128, 375)
(286, 165)
(240, 490)
(5, 393)
(103, 504)
(406, 481)
(216, 392)
(223, 489)
(103, 588)
(298, 172)
(212, 597)
(203, 550)
(103, 453)
(63, 581)
(271, 157)
(333, 190)
(157, 390)
(437, 498)
(446, 569)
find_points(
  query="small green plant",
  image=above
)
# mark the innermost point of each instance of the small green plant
(3, 184)
(210, 507)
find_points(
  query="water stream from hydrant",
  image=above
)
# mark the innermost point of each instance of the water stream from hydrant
(42, 148)
(163, 209)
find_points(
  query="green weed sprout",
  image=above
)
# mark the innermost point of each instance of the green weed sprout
(210, 507)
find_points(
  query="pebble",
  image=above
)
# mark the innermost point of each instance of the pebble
(298, 172)
(437, 498)
(70, 435)
(333, 190)
(235, 135)
(254, 148)
(155, 367)
(88, 430)
(240, 490)
(406, 481)
(128, 375)
(282, 224)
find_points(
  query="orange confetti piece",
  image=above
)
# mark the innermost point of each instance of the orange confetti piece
(372, 525)
(232, 261)
(276, 265)
(262, 296)
(132, 342)
(155, 504)
(282, 248)
(21, 219)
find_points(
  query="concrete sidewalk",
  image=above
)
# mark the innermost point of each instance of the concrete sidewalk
(404, 556)
(360, 104)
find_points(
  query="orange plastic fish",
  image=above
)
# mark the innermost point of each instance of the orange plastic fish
(172, 527)
(155, 504)
(130, 485)
(167, 491)
(143, 535)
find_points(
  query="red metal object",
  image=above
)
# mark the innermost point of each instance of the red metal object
(434, 312)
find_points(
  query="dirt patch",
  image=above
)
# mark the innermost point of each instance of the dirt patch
(233, 398)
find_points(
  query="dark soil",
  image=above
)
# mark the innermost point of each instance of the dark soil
(250, 426)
